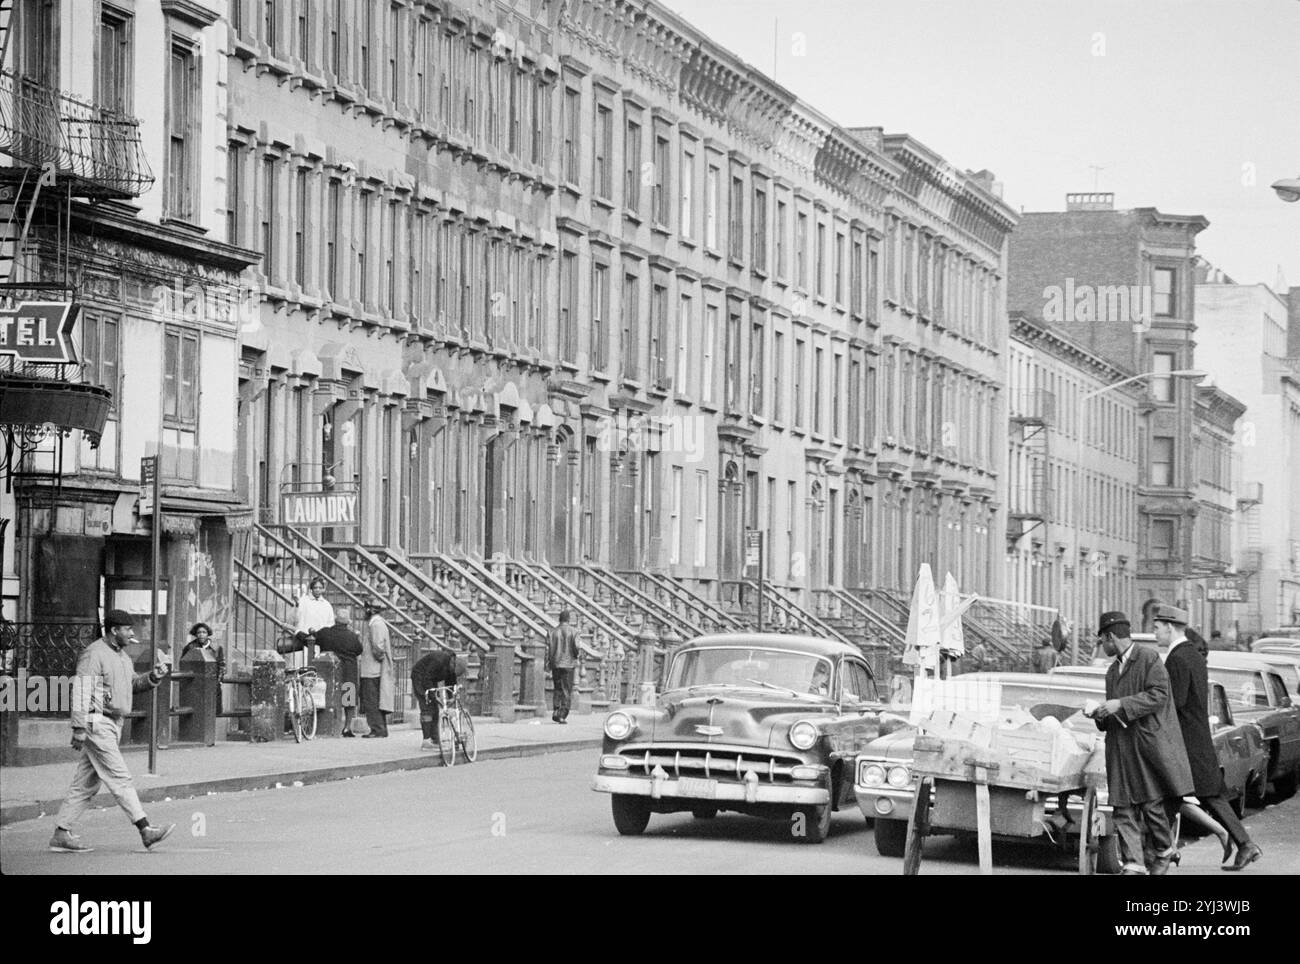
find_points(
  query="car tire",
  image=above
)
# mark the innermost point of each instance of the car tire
(631, 814)
(1108, 860)
(891, 837)
(704, 813)
(1284, 787)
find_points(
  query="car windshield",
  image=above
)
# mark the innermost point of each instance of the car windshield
(751, 666)
(1243, 686)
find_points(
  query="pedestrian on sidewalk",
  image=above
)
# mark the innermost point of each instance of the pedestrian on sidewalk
(1189, 684)
(1045, 658)
(441, 667)
(315, 612)
(562, 661)
(101, 696)
(1147, 773)
(378, 672)
(340, 640)
(201, 639)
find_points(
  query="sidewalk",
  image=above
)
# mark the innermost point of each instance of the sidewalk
(32, 791)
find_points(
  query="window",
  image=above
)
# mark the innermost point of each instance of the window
(100, 365)
(818, 353)
(390, 79)
(269, 212)
(182, 132)
(706, 356)
(778, 366)
(336, 23)
(712, 189)
(113, 78)
(684, 327)
(663, 180)
(180, 403)
(304, 31)
(732, 375)
(599, 316)
(760, 229)
(701, 516)
(1162, 460)
(769, 533)
(791, 507)
(1162, 386)
(839, 268)
(855, 402)
(389, 241)
(837, 367)
(631, 325)
(796, 384)
(269, 36)
(801, 251)
(855, 278)
(675, 517)
(632, 166)
(1162, 539)
(361, 285)
(819, 266)
(1165, 301)
(782, 217)
(686, 215)
(300, 227)
(234, 190)
(570, 121)
(603, 165)
(659, 333)
(568, 304)
(333, 211)
(736, 214)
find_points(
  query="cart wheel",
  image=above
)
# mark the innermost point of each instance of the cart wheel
(918, 827)
(1089, 833)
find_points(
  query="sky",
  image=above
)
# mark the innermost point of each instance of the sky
(1188, 106)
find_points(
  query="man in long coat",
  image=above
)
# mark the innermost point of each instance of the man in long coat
(1189, 686)
(1146, 762)
(378, 672)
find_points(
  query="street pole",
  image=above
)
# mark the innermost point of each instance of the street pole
(155, 552)
(761, 549)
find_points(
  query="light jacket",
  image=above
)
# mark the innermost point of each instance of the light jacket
(376, 661)
(105, 680)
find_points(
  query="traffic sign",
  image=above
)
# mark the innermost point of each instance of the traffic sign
(148, 467)
(39, 331)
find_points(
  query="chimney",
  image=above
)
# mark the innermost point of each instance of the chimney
(1091, 201)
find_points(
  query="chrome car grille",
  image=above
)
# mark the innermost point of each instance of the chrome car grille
(712, 762)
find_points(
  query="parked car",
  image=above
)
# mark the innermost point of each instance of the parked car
(766, 725)
(1276, 644)
(1258, 694)
(1287, 666)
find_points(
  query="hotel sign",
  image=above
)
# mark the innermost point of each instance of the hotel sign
(337, 508)
(39, 331)
(1227, 589)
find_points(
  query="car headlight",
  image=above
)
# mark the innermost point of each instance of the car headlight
(803, 735)
(873, 775)
(619, 726)
(899, 777)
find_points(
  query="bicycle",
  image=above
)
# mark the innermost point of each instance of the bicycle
(299, 703)
(455, 726)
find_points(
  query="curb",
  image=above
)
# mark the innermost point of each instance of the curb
(266, 781)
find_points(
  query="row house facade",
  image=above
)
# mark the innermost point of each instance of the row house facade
(126, 221)
(1072, 475)
(568, 281)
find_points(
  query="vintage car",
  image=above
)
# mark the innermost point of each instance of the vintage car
(885, 787)
(1258, 694)
(762, 724)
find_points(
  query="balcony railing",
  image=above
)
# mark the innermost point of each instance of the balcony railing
(98, 149)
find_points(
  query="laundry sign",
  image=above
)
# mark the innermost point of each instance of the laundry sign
(324, 508)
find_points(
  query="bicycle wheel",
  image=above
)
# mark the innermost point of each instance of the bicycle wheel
(293, 699)
(307, 714)
(447, 738)
(465, 734)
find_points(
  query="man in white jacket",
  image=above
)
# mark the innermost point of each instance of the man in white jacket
(101, 696)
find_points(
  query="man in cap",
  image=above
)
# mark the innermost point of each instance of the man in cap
(438, 668)
(1146, 762)
(378, 672)
(101, 696)
(1189, 684)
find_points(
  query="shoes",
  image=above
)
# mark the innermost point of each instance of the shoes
(1133, 870)
(1245, 856)
(370, 736)
(563, 722)
(555, 718)
(1160, 866)
(155, 835)
(348, 733)
(1226, 842)
(428, 745)
(65, 841)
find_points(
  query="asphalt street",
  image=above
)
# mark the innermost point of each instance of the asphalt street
(516, 816)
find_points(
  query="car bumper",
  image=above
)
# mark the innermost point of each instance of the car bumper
(885, 803)
(672, 789)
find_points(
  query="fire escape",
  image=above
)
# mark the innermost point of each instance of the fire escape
(61, 150)
(1032, 414)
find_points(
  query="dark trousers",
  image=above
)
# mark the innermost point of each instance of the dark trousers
(375, 717)
(563, 682)
(1145, 832)
(1218, 808)
(428, 715)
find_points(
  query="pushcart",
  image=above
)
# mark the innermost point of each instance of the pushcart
(970, 789)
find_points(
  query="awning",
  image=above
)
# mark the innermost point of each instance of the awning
(48, 401)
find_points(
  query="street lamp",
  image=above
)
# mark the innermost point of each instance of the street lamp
(1082, 422)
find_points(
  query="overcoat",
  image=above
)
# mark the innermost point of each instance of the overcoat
(1145, 756)
(1189, 689)
(376, 661)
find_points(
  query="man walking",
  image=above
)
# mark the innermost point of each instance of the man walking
(101, 695)
(438, 668)
(378, 673)
(1189, 685)
(562, 659)
(1045, 658)
(340, 640)
(1146, 762)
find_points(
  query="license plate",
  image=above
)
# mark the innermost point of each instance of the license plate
(697, 787)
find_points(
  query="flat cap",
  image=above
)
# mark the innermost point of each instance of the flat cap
(118, 617)
(1111, 619)
(1170, 614)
